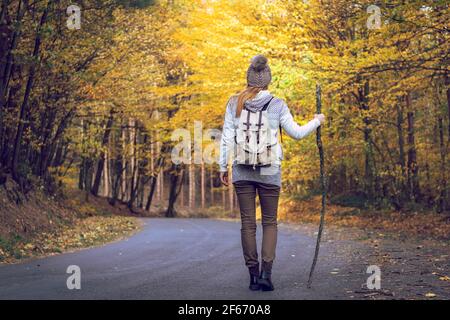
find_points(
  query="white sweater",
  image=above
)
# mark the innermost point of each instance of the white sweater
(279, 114)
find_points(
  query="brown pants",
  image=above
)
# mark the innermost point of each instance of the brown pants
(268, 198)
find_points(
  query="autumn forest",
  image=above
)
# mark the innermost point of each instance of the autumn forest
(94, 104)
(97, 96)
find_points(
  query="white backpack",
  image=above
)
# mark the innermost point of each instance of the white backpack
(256, 142)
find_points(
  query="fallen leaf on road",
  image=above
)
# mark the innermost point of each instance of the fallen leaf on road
(430, 295)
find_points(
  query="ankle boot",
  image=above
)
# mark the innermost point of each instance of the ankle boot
(254, 271)
(265, 281)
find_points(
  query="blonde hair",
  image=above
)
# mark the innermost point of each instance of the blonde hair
(247, 94)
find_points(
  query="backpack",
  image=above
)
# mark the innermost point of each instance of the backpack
(255, 140)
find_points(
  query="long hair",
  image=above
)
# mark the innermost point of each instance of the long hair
(248, 94)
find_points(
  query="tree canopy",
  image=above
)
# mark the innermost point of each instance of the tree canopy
(96, 106)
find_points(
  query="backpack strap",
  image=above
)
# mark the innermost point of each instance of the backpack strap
(259, 126)
(248, 126)
(264, 108)
(267, 104)
(281, 134)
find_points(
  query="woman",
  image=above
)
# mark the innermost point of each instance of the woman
(266, 181)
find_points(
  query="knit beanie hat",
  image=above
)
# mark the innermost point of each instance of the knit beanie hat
(258, 73)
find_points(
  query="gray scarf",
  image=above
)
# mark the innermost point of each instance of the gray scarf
(258, 102)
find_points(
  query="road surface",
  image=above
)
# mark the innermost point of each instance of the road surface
(190, 259)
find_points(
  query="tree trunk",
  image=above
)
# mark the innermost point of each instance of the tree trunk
(117, 181)
(124, 167)
(173, 190)
(81, 175)
(182, 187)
(211, 185)
(363, 94)
(59, 157)
(158, 177)
(133, 189)
(191, 186)
(401, 139)
(161, 185)
(106, 180)
(401, 155)
(413, 168)
(224, 202)
(203, 185)
(155, 175)
(442, 201)
(6, 68)
(101, 161)
(153, 181)
(49, 154)
(87, 178)
(28, 88)
(447, 84)
(48, 119)
(134, 181)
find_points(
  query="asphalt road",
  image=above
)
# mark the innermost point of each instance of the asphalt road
(187, 259)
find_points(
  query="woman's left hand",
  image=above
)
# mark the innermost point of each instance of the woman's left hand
(224, 178)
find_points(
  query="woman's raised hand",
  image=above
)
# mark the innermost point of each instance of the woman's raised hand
(320, 117)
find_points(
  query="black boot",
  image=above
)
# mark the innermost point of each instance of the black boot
(265, 281)
(254, 271)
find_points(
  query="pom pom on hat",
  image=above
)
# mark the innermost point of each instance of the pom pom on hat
(259, 62)
(258, 73)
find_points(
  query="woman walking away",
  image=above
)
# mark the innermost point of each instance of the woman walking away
(250, 139)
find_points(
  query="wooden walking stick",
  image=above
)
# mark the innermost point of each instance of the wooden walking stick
(322, 185)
